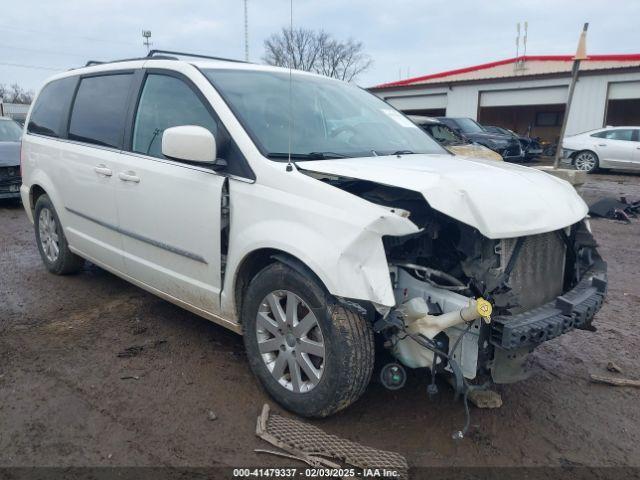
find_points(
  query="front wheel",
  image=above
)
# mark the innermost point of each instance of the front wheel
(586, 161)
(312, 355)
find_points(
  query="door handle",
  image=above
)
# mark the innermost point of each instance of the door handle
(102, 169)
(129, 176)
(602, 144)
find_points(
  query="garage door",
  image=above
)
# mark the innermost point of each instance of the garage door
(524, 96)
(419, 102)
(624, 90)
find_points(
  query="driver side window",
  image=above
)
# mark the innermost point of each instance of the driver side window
(167, 102)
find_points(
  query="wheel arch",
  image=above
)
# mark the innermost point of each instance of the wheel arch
(35, 192)
(583, 150)
(258, 259)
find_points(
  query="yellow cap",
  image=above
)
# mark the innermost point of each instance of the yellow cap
(483, 307)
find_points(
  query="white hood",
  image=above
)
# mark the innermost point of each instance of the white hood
(501, 200)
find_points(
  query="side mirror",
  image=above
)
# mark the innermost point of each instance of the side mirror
(189, 142)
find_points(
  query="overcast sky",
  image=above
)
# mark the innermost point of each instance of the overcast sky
(404, 37)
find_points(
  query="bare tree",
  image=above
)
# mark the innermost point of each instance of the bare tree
(15, 94)
(316, 51)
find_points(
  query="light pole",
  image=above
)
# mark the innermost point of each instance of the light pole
(581, 54)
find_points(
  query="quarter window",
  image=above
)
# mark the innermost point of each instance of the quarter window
(99, 110)
(167, 102)
(49, 113)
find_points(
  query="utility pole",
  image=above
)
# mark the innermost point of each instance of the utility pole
(581, 54)
(146, 35)
(246, 31)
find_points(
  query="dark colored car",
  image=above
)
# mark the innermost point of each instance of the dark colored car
(506, 145)
(531, 146)
(10, 179)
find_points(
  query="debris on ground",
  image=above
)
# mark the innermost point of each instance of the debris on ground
(616, 382)
(613, 367)
(186, 379)
(485, 398)
(135, 350)
(132, 351)
(309, 444)
(139, 329)
(130, 377)
(211, 415)
(615, 209)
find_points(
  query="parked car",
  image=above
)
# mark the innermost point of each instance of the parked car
(310, 216)
(10, 179)
(610, 147)
(452, 141)
(531, 146)
(507, 146)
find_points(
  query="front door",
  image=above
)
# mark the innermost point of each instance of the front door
(616, 148)
(170, 210)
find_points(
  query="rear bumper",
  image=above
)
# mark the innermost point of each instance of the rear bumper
(574, 309)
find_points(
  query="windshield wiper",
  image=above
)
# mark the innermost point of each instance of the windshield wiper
(403, 152)
(308, 156)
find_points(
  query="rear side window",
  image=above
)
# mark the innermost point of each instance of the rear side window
(49, 114)
(99, 110)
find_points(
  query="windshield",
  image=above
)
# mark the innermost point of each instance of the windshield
(331, 119)
(10, 131)
(469, 126)
(443, 134)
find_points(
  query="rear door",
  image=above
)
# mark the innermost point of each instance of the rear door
(90, 160)
(170, 211)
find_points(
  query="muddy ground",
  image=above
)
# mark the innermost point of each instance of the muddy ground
(65, 399)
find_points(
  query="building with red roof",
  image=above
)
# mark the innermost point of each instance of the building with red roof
(527, 93)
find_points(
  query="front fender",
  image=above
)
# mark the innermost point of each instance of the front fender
(345, 252)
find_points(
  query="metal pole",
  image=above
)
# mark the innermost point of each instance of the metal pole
(246, 31)
(580, 55)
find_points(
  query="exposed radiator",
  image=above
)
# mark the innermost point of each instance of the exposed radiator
(538, 274)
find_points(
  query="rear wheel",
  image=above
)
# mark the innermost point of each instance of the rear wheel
(52, 243)
(586, 161)
(312, 355)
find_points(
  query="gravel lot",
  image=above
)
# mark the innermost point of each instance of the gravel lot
(65, 399)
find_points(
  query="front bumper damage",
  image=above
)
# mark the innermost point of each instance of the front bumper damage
(574, 309)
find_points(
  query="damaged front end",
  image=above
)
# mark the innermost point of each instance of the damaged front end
(474, 306)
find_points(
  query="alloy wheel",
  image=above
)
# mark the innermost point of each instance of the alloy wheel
(586, 161)
(48, 231)
(290, 341)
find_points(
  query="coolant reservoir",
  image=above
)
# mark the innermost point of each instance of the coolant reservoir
(414, 308)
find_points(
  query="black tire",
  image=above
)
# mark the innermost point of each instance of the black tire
(66, 262)
(347, 336)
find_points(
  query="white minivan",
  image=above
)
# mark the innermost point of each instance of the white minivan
(309, 216)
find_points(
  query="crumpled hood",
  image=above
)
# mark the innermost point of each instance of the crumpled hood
(9, 154)
(501, 200)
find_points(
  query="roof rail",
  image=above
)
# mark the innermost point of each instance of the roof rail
(158, 57)
(153, 53)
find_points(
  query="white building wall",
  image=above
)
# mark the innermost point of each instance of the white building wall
(587, 111)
